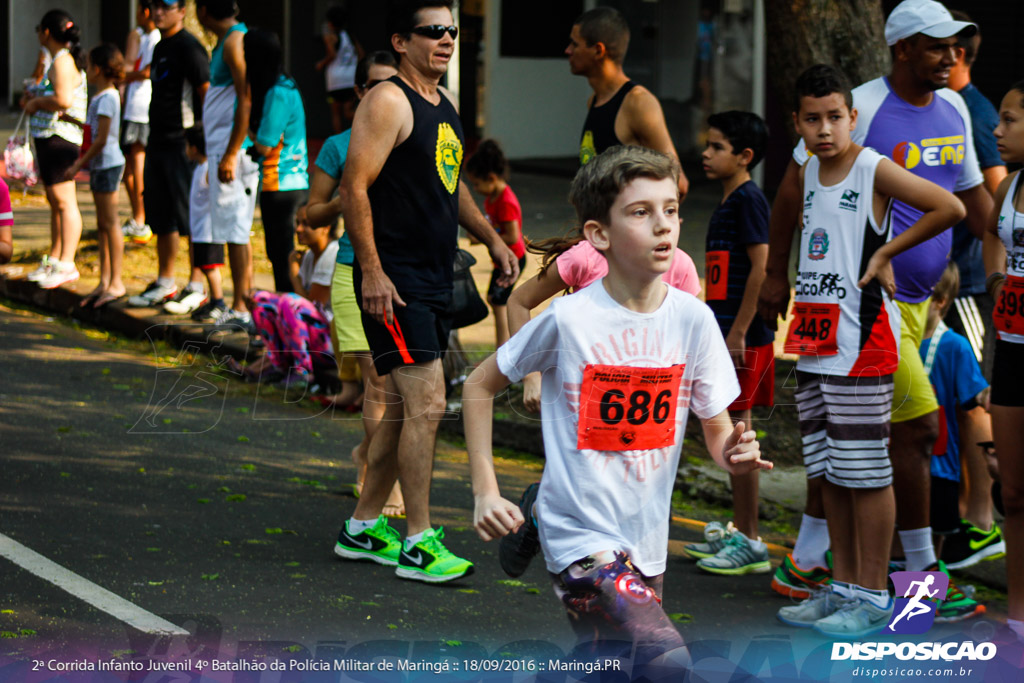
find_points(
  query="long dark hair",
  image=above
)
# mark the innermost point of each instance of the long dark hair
(64, 30)
(264, 66)
(110, 61)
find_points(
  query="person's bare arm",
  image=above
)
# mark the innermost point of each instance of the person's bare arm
(736, 340)
(382, 119)
(733, 448)
(647, 125)
(6, 243)
(493, 516)
(773, 301)
(524, 299)
(509, 231)
(234, 58)
(321, 209)
(941, 211)
(99, 140)
(331, 41)
(993, 251)
(993, 176)
(65, 78)
(978, 202)
(479, 227)
(40, 68)
(319, 294)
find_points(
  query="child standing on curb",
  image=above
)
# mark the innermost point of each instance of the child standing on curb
(736, 253)
(622, 361)
(106, 164)
(844, 327)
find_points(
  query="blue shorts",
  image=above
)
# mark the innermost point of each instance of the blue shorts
(104, 180)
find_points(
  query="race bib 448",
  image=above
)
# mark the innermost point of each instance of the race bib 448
(812, 330)
(627, 408)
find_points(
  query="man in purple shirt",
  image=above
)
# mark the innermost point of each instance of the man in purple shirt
(913, 118)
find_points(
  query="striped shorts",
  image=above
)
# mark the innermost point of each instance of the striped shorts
(844, 426)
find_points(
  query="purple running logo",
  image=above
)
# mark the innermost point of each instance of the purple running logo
(917, 598)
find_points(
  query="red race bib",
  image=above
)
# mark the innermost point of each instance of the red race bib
(1009, 312)
(626, 408)
(716, 280)
(812, 330)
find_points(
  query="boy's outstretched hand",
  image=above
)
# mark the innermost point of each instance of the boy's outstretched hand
(494, 517)
(879, 266)
(743, 452)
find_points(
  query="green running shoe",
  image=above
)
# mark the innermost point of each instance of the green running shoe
(957, 605)
(379, 543)
(970, 545)
(715, 536)
(430, 561)
(738, 556)
(794, 582)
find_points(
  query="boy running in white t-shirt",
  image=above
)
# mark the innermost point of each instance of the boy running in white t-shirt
(845, 329)
(623, 361)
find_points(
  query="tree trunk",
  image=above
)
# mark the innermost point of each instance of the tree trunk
(848, 34)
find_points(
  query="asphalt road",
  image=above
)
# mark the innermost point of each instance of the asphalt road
(218, 514)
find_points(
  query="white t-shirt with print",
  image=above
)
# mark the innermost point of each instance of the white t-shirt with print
(138, 93)
(593, 500)
(322, 271)
(106, 103)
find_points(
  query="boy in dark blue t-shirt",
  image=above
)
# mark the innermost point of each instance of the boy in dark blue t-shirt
(736, 254)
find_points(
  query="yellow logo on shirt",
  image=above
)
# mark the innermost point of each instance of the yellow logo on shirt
(587, 149)
(448, 156)
(931, 151)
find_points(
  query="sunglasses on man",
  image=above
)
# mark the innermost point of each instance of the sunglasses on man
(436, 31)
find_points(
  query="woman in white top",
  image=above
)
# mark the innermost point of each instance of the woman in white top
(339, 66)
(58, 106)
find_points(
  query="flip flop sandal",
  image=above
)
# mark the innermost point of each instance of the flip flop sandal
(107, 299)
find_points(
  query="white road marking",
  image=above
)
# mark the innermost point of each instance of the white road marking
(86, 590)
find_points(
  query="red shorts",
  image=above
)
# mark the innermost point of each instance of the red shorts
(757, 379)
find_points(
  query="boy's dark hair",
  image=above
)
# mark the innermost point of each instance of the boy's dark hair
(219, 9)
(487, 159)
(337, 16)
(194, 136)
(64, 30)
(380, 57)
(970, 43)
(598, 184)
(822, 80)
(743, 130)
(605, 25)
(402, 14)
(110, 61)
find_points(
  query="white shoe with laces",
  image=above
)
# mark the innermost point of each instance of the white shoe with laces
(188, 300)
(60, 274)
(41, 271)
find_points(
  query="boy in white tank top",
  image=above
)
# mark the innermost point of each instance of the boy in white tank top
(845, 329)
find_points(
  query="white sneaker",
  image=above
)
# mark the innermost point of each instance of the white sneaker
(822, 603)
(41, 271)
(154, 295)
(60, 274)
(230, 319)
(187, 301)
(856, 619)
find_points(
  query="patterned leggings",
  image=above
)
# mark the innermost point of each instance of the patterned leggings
(293, 329)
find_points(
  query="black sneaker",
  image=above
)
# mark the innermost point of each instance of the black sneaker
(209, 311)
(517, 549)
(970, 545)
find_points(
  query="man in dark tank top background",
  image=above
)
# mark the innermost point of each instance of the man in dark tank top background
(403, 199)
(620, 112)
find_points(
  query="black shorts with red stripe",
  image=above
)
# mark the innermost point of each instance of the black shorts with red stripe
(419, 333)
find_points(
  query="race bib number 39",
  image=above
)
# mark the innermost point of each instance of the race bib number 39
(626, 408)
(812, 330)
(1009, 312)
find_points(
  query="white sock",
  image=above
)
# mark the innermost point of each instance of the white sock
(165, 281)
(358, 526)
(879, 599)
(196, 287)
(846, 590)
(811, 543)
(1017, 626)
(918, 548)
(410, 541)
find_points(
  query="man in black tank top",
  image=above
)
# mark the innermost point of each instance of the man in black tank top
(620, 111)
(403, 199)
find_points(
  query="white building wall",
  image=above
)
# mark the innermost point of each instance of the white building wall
(534, 107)
(24, 43)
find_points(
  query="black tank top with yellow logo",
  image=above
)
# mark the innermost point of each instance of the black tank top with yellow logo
(415, 200)
(599, 128)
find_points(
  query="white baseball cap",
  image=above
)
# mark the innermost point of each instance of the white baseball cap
(923, 16)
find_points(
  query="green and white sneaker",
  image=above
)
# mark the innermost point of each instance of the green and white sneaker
(430, 561)
(379, 543)
(715, 536)
(739, 556)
